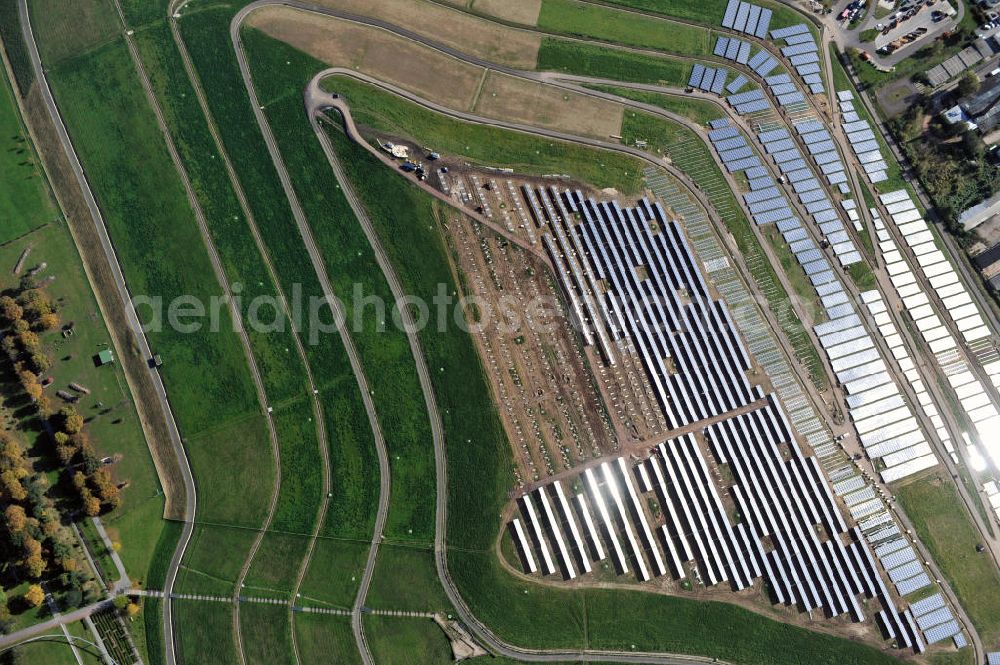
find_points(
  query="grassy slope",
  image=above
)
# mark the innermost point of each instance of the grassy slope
(383, 111)
(933, 504)
(267, 634)
(24, 199)
(599, 61)
(604, 23)
(325, 638)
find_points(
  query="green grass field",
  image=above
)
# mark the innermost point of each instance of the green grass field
(217, 553)
(699, 110)
(940, 518)
(276, 564)
(24, 196)
(335, 572)
(13, 43)
(267, 634)
(405, 640)
(422, 591)
(604, 62)
(204, 632)
(612, 25)
(324, 638)
(93, 23)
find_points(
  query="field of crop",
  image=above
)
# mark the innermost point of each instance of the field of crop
(612, 25)
(403, 640)
(204, 632)
(321, 636)
(267, 634)
(422, 591)
(600, 61)
(13, 42)
(24, 197)
(941, 522)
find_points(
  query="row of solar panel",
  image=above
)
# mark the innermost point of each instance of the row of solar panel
(745, 17)
(862, 139)
(708, 79)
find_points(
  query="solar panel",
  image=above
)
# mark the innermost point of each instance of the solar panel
(742, 164)
(729, 144)
(795, 234)
(758, 172)
(809, 77)
(799, 49)
(786, 155)
(788, 225)
(865, 146)
(806, 185)
(735, 154)
(826, 157)
(730, 15)
(763, 24)
(718, 123)
(720, 81)
(777, 79)
(791, 98)
(821, 146)
(732, 48)
(925, 605)
(773, 216)
(751, 26)
(814, 137)
(758, 59)
(723, 133)
(744, 53)
(803, 59)
(812, 196)
(782, 33)
(845, 95)
(697, 72)
(942, 632)
(742, 14)
(720, 47)
(748, 96)
(761, 183)
(803, 245)
(808, 68)
(800, 174)
(773, 135)
(779, 145)
(783, 88)
(767, 66)
(793, 165)
(752, 107)
(935, 618)
(762, 195)
(816, 88)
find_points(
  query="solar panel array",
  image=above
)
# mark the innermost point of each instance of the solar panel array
(747, 18)
(733, 49)
(708, 79)
(884, 421)
(862, 139)
(802, 52)
(653, 301)
(783, 498)
(785, 92)
(751, 101)
(785, 153)
(956, 302)
(823, 151)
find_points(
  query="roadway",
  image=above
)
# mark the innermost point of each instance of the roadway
(122, 293)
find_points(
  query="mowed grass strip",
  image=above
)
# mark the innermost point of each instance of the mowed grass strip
(933, 505)
(217, 552)
(354, 469)
(151, 224)
(482, 144)
(24, 197)
(622, 27)
(204, 632)
(281, 368)
(325, 638)
(351, 265)
(267, 634)
(699, 110)
(604, 62)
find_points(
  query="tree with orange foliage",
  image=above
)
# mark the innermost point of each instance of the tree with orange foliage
(34, 566)
(72, 421)
(34, 596)
(91, 505)
(47, 321)
(10, 310)
(11, 482)
(15, 518)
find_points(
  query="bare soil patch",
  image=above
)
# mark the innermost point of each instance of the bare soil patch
(519, 100)
(522, 11)
(379, 53)
(476, 36)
